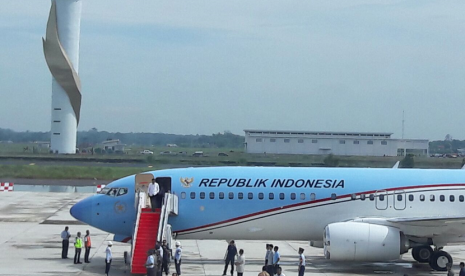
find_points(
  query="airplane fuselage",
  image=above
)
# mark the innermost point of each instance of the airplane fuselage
(285, 203)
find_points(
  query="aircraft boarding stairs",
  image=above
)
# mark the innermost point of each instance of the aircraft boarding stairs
(151, 227)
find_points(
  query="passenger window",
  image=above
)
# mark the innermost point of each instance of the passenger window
(271, 196)
(410, 197)
(260, 196)
(431, 197)
(362, 196)
(212, 195)
(281, 196)
(240, 195)
(442, 198)
(461, 198)
(399, 197)
(231, 195)
(112, 192)
(452, 198)
(333, 196)
(422, 197)
(381, 197)
(250, 196)
(183, 195)
(312, 196)
(293, 196)
(192, 195)
(122, 191)
(372, 197)
(202, 195)
(302, 196)
(221, 195)
(353, 196)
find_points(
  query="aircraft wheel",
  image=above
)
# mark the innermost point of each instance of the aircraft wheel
(439, 260)
(422, 254)
(126, 259)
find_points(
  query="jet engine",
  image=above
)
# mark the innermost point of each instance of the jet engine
(357, 241)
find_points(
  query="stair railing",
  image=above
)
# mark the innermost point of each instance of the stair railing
(165, 213)
(141, 200)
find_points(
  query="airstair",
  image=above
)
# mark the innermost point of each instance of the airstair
(150, 226)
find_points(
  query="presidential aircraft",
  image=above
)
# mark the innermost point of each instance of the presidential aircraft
(355, 214)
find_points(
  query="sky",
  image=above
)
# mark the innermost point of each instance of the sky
(203, 67)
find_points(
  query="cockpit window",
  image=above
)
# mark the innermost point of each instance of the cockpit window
(122, 191)
(112, 192)
(104, 191)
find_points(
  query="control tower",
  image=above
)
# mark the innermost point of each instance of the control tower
(61, 50)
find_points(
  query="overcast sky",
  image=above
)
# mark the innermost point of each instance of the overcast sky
(202, 67)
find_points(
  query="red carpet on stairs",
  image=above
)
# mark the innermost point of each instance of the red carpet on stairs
(145, 240)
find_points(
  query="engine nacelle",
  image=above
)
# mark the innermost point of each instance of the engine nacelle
(356, 241)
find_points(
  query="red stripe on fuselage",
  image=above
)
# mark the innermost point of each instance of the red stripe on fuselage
(314, 202)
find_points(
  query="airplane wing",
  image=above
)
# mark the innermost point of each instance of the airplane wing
(451, 228)
(429, 221)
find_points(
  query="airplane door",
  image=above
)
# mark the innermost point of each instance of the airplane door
(381, 200)
(400, 200)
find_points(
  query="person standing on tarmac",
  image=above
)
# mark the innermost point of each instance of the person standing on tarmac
(276, 259)
(153, 191)
(65, 235)
(301, 262)
(230, 255)
(166, 258)
(77, 249)
(87, 244)
(177, 258)
(108, 258)
(269, 266)
(240, 263)
(150, 263)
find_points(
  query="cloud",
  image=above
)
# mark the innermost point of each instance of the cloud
(205, 66)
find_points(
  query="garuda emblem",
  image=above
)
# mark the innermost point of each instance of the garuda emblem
(186, 182)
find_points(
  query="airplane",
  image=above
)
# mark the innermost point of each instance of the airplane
(354, 214)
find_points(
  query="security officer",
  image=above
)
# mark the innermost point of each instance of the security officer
(77, 249)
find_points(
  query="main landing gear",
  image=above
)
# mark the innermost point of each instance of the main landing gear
(437, 259)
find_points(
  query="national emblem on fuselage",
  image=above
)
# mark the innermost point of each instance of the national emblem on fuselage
(186, 182)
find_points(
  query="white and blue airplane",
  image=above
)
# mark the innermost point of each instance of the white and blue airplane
(355, 214)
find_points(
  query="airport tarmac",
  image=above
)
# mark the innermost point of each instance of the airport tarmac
(31, 223)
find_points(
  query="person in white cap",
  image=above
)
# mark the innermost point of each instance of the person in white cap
(177, 258)
(108, 258)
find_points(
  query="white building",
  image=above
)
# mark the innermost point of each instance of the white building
(61, 50)
(337, 143)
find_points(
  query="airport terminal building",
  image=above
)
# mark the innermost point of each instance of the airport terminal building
(337, 143)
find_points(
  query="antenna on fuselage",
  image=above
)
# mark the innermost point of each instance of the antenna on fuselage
(396, 166)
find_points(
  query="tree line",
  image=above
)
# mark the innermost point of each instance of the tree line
(94, 137)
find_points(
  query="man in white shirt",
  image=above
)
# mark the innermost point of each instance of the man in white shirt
(108, 258)
(301, 262)
(150, 264)
(177, 258)
(269, 263)
(153, 190)
(240, 263)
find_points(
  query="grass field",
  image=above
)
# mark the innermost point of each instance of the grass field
(67, 172)
(179, 157)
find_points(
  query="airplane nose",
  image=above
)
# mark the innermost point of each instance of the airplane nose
(82, 211)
